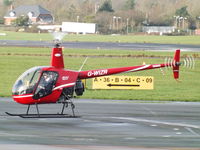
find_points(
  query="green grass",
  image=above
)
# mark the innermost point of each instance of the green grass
(166, 88)
(105, 38)
(88, 52)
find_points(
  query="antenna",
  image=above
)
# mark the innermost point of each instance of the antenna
(83, 64)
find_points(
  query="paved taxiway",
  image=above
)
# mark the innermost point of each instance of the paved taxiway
(104, 124)
(103, 45)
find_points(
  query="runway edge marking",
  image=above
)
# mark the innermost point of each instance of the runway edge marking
(158, 122)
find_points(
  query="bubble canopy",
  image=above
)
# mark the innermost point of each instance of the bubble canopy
(27, 82)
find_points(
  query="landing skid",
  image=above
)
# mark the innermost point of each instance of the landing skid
(42, 115)
(66, 103)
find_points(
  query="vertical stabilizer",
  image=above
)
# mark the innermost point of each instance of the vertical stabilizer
(176, 64)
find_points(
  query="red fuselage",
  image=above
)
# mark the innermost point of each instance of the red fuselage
(25, 93)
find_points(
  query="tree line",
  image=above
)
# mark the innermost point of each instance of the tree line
(119, 16)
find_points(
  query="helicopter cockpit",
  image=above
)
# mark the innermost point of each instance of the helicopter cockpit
(35, 81)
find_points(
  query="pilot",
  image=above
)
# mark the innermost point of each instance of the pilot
(47, 77)
(45, 85)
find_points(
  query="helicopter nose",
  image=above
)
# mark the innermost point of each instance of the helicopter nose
(24, 99)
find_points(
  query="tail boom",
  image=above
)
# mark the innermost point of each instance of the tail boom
(111, 71)
(104, 72)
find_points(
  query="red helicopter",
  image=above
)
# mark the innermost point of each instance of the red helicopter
(54, 84)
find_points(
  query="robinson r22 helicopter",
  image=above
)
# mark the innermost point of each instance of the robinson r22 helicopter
(54, 84)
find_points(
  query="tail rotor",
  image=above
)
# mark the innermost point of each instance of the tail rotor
(175, 63)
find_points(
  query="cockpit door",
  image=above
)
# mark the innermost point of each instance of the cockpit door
(46, 84)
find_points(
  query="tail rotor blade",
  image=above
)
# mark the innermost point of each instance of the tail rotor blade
(193, 62)
(189, 62)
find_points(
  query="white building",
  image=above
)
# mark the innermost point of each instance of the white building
(76, 27)
(159, 29)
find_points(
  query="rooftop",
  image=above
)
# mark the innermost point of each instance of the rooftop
(33, 10)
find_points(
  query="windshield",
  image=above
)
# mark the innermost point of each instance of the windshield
(27, 82)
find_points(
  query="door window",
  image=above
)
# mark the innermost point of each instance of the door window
(46, 84)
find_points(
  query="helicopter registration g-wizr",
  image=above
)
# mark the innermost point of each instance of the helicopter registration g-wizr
(54, 84)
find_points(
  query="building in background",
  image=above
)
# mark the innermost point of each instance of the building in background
(77, 27)
(159, 29)
(36, 14)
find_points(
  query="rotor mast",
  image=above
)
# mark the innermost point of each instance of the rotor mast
(57, 57)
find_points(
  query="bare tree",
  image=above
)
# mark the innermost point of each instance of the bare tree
(130, 13)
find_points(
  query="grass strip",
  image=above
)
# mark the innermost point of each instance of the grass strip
(194, 40)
